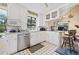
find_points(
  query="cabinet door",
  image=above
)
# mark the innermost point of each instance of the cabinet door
(33, 39)
(12, 43)
(11, 11)
(37, 37)
(54, 38)
(43, 36)
(3, 46)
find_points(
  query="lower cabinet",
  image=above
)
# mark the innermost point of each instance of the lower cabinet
(54, 38)
(8, 44)
(49, 36)
(3, 46)
(11, 43)
(36, 37)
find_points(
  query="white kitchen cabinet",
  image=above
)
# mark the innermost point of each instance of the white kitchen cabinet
(43, 36)
(8, 44)
(11, 40)
(3, 46)
(49, 36)
(53, 37)
(13, 11)
(11, 43)
(36, 37)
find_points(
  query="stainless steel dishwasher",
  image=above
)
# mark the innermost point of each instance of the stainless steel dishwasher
(23, 41)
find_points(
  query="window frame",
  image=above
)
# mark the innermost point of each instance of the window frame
(32, 23)
(5, 20)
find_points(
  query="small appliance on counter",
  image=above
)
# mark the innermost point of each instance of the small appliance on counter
(42, 29)
(13, 30)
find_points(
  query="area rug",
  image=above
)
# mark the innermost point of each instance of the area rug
(35, 48)
(66, 51)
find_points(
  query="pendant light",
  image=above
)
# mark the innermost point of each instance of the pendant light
(70, 15)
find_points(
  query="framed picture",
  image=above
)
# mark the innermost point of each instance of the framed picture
(48, 16)
(54, 14)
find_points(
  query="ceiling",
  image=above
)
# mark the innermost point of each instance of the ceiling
(42, 7)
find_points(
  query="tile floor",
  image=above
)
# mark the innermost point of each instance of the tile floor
(48, 49)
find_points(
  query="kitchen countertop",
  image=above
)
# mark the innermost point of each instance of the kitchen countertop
(8, 33)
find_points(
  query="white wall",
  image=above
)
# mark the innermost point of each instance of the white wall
(41, 20)
(75, 20)
(62, 11)
(19, 13)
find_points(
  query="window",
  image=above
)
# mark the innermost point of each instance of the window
(31, 23)
(63, 26)
(3, 20)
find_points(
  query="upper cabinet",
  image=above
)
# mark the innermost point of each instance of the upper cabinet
(13, 11)
(52, 15)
